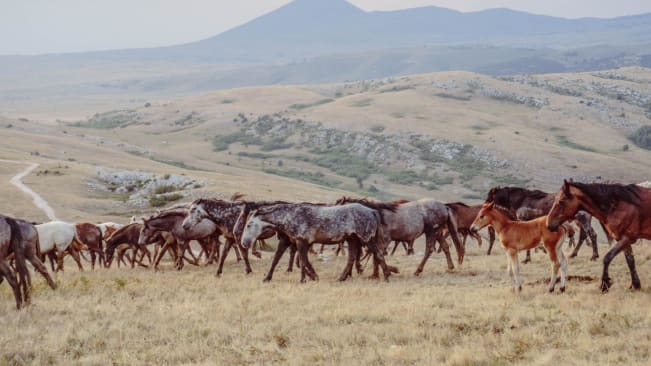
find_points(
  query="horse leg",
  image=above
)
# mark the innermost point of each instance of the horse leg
(491, 239)
(582, 236)
(630, 261)
(509, 269)
(622, 244)
(5, 271)
(302, 254)
(378, 254)
(254, 250)
(245, 256)
(527, 259)
(552, 250)
(429, 248)
(477, 238)
(563, 265)
(225, 250)
(516, 263)
(443, 245)
(352, 256)
(75, 255)
(280, 250)
(238, 253)
(33, 258)
(292, 256)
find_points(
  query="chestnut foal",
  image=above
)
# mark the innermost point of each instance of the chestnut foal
(521, 235)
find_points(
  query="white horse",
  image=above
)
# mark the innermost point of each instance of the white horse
(57, 236)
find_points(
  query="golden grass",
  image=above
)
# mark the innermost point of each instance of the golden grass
(465, 317)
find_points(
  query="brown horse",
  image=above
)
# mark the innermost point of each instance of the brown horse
(624, 211)
(129, 235)
(20, 238)
(206, 233)
(516, 198)
(465, 216)
(89, 238)
(520, 235)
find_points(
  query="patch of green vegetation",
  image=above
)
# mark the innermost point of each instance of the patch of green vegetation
(556, 129)
(362, 103)
(108, 120)
(300, 106)
(255, 155)
(223, 142)
(311, 177)
(178, 164)
(342, 163)
(404, 177)
(463, 98)
(397, 115)
(228, 101)
(473, 196)
(642, 137)
(162, 200)
(479, 127)
(564, 141)
(277, 143)
(377, 128)
(397, 88)
(166, 188)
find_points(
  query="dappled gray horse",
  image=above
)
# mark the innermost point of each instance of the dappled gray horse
(224, 215)
(307, 223)
(411, 219)
(20, 238)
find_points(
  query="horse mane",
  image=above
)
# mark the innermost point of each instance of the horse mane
(167, 213)
(606, 196)
(376, 205)
(401, 202)
(457, 204)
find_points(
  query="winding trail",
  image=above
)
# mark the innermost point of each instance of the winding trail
(39, 202)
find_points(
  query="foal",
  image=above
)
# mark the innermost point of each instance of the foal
(520, 235)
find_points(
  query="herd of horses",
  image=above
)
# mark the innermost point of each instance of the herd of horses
(522, 219)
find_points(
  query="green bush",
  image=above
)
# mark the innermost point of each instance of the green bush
(162, 200)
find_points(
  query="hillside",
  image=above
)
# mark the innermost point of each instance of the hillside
(326, 41)
(449, 136)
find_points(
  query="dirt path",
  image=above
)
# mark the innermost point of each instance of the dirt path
(17, 181)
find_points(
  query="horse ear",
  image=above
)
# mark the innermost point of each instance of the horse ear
(490, 205)
(566, 188)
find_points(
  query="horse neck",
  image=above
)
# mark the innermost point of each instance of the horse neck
(499, 220)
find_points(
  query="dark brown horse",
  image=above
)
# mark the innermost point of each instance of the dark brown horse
(516, 198)
(465, 216)
(624, 211)
(20, 238)
(129, 235)
(205, 233)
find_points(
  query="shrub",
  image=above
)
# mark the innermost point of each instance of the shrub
(167, 188)
(642, 137)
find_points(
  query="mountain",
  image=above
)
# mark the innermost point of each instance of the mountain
(310, 28)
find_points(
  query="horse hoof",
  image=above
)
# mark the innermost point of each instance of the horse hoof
(605, 285)
(551, 290)
(594, 257)
(635, 286)
(266, 279)
(562, 289)
(417, 274)
(257, 254)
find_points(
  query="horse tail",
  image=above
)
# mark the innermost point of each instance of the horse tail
(379, 231)
(454, 234)
(25, 281)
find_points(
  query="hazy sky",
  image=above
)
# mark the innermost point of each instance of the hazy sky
(47, 26)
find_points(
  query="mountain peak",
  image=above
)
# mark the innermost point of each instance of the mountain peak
(321, 7)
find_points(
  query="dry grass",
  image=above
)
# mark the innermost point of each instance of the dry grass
(464, 317)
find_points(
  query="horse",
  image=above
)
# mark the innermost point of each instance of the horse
(514, 198)
(411, 219)
(465, 216)
(308, 223)
(520, 235)
(89, 236)
(206, 233)
(225, 215)
(623, 210)
(20, 238)
(130, 235)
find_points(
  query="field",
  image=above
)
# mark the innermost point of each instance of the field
(449, 136)
(467, 316)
